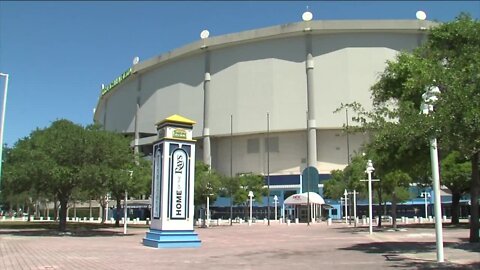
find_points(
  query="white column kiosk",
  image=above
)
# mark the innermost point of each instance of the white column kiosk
(172, 186)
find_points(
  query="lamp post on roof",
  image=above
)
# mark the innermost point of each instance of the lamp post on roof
(428, 100)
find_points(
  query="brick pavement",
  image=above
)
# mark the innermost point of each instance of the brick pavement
(240, 247)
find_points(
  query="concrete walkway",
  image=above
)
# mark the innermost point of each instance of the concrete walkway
(275, 247)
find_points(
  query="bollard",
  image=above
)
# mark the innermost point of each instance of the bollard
(249, 222)
(288, 222)
(421, 219)
(219, 222)
(296, 220)
(406, 220)
(444, 218)
(48, 218)
(148, 221)
(41, 218)
(4, 217)
(415, 219)
(329, 221)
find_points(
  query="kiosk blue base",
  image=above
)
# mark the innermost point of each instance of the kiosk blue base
(171, 239)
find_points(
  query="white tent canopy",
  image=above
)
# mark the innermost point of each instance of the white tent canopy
(301, 199)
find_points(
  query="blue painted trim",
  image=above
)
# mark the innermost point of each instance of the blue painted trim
(171, 239)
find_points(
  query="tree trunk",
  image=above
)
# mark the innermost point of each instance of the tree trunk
(103, 205)
(455, 207)
(474, 191)
(90, 208)
(28, 213)
(55, 210)
(62, 224)
(394, 211)
(380, 206)
(119, 210)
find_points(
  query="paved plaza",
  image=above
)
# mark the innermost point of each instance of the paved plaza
(259, 246)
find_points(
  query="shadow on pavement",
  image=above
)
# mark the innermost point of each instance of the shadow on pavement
(68, 233)
(73, 229)
(394, 252)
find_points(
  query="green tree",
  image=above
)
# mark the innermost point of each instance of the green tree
(207, 183)
(66, 159)
(228, 187)
(113, 168)
(346, 179)
(449, 59)
(396, 184)
(336, 185)
(246, 183)
(456, 175)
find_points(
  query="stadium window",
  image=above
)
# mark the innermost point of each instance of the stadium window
(253, 146)
(272, 145)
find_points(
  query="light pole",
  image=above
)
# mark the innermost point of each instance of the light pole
(429, 98)
(426, 195)
(207, 215)
(125, 205)
(341, 205)
(250, 195)
(354, 206)
(125, 214)
(369, 171)
(2, 119)
(106, 207)
(346, 204)
(275, 200)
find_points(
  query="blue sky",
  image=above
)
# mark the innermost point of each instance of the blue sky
(59, 53)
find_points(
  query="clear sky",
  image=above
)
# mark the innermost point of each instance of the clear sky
(59, 53)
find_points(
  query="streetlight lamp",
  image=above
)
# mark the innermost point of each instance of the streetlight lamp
(429, 99)
(2, 120)
(425, 195)
(369, 171)
(275, 200)
(250, 195)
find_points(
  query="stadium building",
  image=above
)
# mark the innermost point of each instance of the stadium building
(263, 99)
